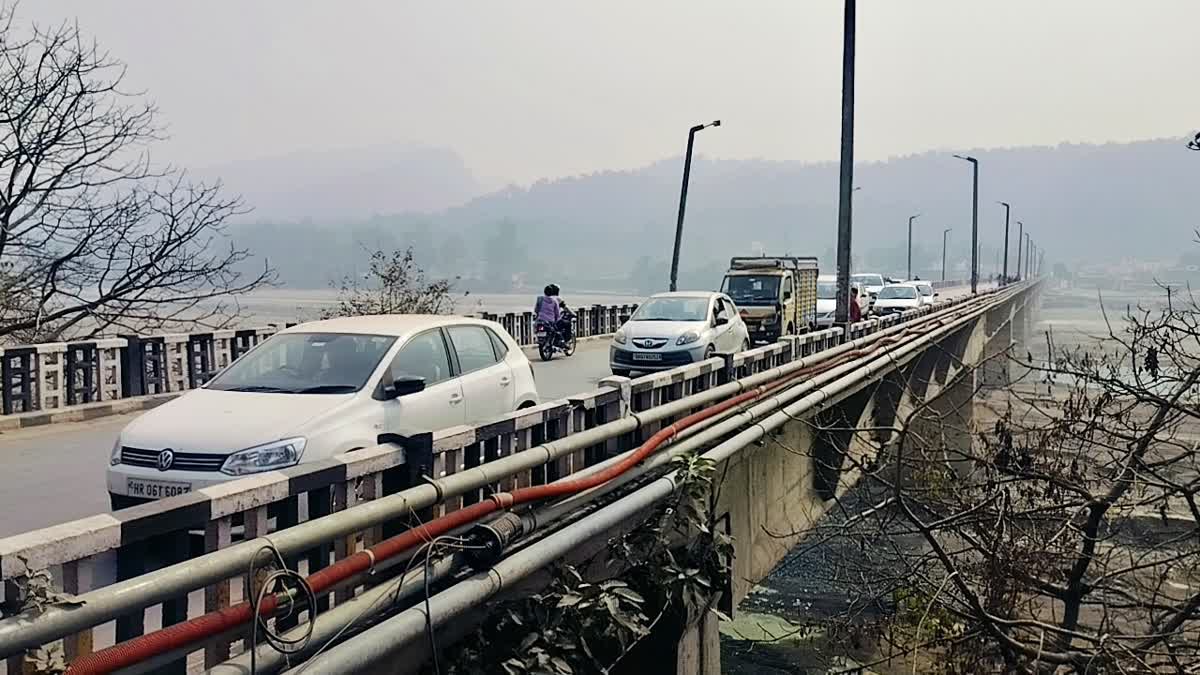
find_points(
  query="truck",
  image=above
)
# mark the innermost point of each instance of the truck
(776, 295)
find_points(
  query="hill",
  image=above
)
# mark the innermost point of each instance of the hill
(614, 229)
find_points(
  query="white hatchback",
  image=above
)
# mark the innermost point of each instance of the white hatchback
(897, 298)
(319, 389)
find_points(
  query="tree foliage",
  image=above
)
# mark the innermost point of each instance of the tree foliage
(92, 236)
(393, 284)
(581, 627)
(1064, 538)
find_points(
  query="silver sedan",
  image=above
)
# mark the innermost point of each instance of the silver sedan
(674, 329)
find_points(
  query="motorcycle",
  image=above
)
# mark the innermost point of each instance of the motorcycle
(550, 340)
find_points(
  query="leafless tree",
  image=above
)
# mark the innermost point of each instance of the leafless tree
(393, 284)
(1062, 537)
(93, 237)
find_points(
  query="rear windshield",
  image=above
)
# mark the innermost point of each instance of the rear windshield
(826, 290)
(898, 293)
(868, 279)
(748, 289)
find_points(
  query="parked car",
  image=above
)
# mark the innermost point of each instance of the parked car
(896, 298)
(870, 282)
(827, 300)
(318, 389)
(928, 295)
(675, 329)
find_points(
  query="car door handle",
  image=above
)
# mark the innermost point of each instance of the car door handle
(505, 381)
(455, 398)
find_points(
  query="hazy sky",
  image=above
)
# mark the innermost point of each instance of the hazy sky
(525, 90)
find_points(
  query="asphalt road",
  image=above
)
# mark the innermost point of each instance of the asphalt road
(55, 474)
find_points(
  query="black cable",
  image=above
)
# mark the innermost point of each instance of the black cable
(280, 578)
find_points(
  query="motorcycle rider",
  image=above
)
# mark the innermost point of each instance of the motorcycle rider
(547, 310)
(563, 326)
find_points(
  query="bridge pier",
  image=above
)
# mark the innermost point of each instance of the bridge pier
(995, 372)
(672, 649)
(944, 429)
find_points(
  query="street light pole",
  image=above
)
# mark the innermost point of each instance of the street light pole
(1020, 248)
(687, 172)
(1004, 274)
(910, 221)
(945, 232)
(974, 221)
(846, 180)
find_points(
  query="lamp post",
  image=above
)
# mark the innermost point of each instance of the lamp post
(945, 234)
(1004, 274)
(846, 179)
(910, 222)
(687, 172)
(974, 220)
(1020, 248)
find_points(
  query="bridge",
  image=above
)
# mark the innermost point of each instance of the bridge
(553, 483)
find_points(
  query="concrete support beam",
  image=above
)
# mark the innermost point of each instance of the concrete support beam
(943, 431)
(995, 370)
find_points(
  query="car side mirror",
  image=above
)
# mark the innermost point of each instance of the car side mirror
(787, 296)
(936, 294)
(403, 385)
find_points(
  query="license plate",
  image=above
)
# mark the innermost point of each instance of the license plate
(153, 489)
(638, 356)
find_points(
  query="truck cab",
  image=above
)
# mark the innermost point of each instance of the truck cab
(776, 295)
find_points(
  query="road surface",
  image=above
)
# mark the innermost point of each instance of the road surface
(55, 474)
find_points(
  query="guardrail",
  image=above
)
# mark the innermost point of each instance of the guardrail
(43, 378)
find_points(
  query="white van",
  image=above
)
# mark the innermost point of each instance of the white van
(319, 389)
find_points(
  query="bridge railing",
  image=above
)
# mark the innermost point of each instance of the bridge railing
(88, 554)
(82, 376)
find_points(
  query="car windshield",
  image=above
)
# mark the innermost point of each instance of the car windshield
(748, 289)
(826, 290)
(868, 279)
(898, 293)
(306, 363)
(926, 289)
(672, 309)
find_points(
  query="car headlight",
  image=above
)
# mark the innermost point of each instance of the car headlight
(266, 457)
(114, 457)
(619, 336)
(688, 338)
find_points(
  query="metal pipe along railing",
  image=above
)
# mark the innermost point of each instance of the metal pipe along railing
(391, 636)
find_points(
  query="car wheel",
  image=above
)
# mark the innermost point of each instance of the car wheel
(570, 348)
(709, 351)
(791, 329)
(546, 350)
(745, 345)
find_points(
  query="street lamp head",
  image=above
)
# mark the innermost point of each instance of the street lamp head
(968, 158)
(914, 216)
(715, 123)
(1005, 205)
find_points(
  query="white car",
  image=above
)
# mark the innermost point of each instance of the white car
(827, 300)
(928, 295)
(871, 283)
(897, 298)
(319, 389)
(674, 329)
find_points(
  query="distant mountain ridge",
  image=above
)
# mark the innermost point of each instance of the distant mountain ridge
(1080, 202)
